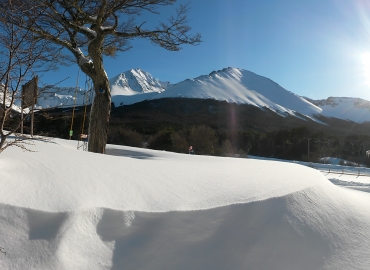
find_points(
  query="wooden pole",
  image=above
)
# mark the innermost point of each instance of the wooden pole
(32, 118)
(22, 110)
(34, 97)
(74, 106)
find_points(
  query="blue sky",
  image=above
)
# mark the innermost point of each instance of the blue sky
(314, 48)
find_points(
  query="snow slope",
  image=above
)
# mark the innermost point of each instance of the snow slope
(133, 208)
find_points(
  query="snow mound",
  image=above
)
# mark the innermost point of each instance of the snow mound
(61, 208)
(169, 182)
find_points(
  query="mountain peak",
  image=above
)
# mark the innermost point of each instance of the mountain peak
(229, 71)
(136, 81)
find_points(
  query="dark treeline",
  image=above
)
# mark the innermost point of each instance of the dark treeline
(292, 144)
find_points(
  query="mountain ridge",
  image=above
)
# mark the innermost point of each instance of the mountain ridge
(234, 86)
(246, 87)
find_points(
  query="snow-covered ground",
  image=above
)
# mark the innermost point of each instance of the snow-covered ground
(355, 177)
(61, 208)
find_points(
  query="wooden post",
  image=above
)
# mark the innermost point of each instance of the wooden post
(34, 97)
(32, 117)
(22, 111)
(26, 102)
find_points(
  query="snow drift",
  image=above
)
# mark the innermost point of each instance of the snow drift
(61, 208)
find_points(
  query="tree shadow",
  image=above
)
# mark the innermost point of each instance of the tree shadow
(128, 153)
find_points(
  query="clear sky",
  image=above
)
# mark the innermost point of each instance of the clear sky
(314, 48)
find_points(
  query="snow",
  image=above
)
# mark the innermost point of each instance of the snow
(82, 59)
(88, 30)
(61, 208)
(103, 28)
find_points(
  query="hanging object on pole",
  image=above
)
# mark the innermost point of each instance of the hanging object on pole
(88, 97)
(74, 106)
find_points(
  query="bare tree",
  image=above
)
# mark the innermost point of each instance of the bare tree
(20, 56)
(91, 29)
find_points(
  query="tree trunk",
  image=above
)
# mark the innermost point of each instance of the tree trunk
(99, 115)
(2, 142)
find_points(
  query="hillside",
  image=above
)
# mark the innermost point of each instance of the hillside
(223, 116)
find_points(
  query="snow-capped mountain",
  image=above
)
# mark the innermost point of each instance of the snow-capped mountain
(348, 108)
(233, 85)
(136, 81)
(245, 87)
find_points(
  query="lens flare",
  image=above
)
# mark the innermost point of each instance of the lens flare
(366, 67)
